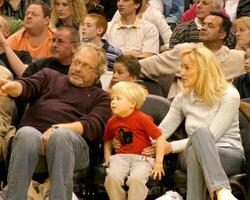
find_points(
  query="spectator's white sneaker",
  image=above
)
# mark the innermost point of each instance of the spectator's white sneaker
(225, 194)
(170, 195)
(74, 197)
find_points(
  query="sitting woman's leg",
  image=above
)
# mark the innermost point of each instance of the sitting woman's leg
(205, 165)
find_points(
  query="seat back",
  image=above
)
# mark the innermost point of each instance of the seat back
(153, 86)
(156, 106)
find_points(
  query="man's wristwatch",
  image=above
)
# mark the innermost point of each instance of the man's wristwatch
(54, 127)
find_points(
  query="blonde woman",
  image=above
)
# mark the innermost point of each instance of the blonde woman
(67, 12)
(210, 106)
(242, 32)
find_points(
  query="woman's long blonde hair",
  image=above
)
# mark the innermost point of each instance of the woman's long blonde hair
(211, 82)
(78, 9)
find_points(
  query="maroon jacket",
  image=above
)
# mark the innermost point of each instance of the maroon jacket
(53, 99)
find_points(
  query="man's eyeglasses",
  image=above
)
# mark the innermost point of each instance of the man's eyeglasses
(60, 41)
(83, 66)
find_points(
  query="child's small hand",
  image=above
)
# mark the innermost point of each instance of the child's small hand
(157, 171)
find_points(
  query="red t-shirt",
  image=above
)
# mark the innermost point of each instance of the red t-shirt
(133, 131)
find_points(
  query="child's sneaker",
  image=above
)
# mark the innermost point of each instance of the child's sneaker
(170, 195)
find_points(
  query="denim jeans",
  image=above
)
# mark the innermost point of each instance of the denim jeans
(208, 166)
(67, 151)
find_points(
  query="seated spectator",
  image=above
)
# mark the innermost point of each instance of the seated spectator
(190, 13)
(242, 32)
(242, 83)
(67, 12)
(126, 68)
(189, 32)
(150, 14)
(69, 113)
(131, 34)
(214, 30)
(65, 40)
(36, 35)
(7, 111)
(133, 129)
(15, 24)
(210, 107)
(15, 9)
(93, 28)
(24, 56)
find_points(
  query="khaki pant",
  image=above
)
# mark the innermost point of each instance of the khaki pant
(136, 168)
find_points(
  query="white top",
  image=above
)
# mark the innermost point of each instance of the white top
(231, 8)
(141, 36)
(157, 4)
(155, 17)
(222, 119)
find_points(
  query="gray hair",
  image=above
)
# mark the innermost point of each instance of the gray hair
(101, 67)
(218, 3)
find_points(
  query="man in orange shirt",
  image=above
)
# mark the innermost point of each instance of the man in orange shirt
(36, 35)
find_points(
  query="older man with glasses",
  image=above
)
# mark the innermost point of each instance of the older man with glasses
(68, 115)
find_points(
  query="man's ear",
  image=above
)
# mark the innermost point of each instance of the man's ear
(223, 35)
(74, 47)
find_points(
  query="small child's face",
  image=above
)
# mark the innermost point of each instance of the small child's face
(121, 105)
(89, 29)
(247, 60)
(120, 73)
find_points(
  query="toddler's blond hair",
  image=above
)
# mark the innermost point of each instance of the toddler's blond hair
(130, 90)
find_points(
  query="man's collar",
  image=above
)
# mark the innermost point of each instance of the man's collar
(198, 23)
(136, 24)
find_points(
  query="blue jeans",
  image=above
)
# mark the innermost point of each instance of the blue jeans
(67, 151)
(208, 166)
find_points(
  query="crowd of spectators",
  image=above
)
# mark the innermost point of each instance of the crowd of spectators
(53, 57)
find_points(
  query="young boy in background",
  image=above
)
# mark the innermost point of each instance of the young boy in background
(126, 68)
(92, 30)
(133, 129)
